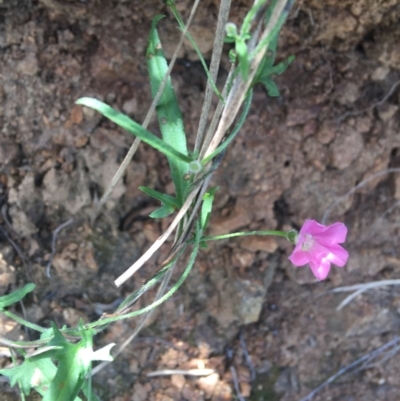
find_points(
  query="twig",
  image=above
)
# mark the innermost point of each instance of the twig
(186, 372)
(133, 148)
(240, 87)
(158, 242)
(356, 188)
(13, 244)
(53, 244)
(379, 103)
(344, 370)
(236, 384)
(142, 322)
(360, 288)
(247, 357)
(214, 66)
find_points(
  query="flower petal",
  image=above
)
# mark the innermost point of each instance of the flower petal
(299, 257)
(321, 269)
(312, 227)
(333, 234)
(338, 255)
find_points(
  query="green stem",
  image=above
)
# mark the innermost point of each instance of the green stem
(247, 233)
(22, 321)
(192, 259)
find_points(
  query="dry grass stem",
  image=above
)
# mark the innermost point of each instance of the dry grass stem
(240, 87)
(187, 372)
(223, 16)
(360, 288)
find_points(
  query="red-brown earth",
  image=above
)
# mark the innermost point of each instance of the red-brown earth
(335, 124)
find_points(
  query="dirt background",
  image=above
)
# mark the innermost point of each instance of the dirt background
(295, 156)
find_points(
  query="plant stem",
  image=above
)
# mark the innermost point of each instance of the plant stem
(24, 322)
(245, 234)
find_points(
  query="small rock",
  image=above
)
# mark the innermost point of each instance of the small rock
(72, 316)
(245, 389)
(380, 73)
(301, 115)
(21, 222)
(258, 243)
(140, 391)
(242, 259)
(134, 366)
(223, 392)
(7, 275)
(29, 65)
(35, 313)
(130, 106)
(68, 190)
(192, 394)
(8, 151)
(348, 92)
(346, 148)
(250, 301)
(386, 112)
(327, 132)
(240, 217)
(208, 384)
(178, 381)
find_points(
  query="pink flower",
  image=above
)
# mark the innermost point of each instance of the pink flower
(317, 245)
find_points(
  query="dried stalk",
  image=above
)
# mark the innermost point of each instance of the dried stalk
(214, 67)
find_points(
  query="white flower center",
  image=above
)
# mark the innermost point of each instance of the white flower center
(308, 242)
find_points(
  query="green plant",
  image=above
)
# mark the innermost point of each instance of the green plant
(60, 367)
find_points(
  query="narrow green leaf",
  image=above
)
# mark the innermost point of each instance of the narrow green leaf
(15, 296)
(241, 50)
(168, 111)
(206, 207)
(271, 87)
(134, 128)
(164, 198)
(163, 211)
(278, 69)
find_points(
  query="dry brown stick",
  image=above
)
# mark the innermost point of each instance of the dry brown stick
(223, 16)
(240, 87)
(158, 242)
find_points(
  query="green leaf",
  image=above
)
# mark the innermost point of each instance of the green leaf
(271, 87)
(168, 111)
(278, 69)
(87, 391)
(164, 198)
(74, 363)
(133, 127)
(206, 207)
(15, 296)
(163, 211)
(31, 373)
(241, 50)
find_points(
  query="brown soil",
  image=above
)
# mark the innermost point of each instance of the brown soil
(296, 155)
